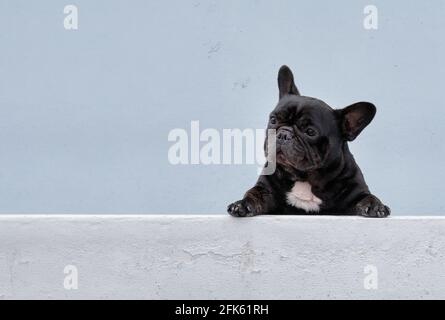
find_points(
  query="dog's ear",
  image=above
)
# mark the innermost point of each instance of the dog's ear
(286, 82)
(355, 118)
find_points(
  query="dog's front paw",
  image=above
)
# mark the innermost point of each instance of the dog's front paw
(372, 207)
(241, 208)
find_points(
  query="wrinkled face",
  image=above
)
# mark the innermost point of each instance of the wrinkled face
(309, 133)
(306, 129)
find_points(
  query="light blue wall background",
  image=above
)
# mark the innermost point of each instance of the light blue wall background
(84, 115)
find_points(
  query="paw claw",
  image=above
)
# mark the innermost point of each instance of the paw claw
(372, 207)
(240, 209)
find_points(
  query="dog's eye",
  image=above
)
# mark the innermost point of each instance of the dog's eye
(273, 120)
(310, 132)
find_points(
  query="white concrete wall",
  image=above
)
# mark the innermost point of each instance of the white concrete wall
(219, 257)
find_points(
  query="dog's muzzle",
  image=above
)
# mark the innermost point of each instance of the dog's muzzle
(284, 135)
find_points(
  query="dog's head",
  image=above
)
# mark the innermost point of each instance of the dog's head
(309, 133)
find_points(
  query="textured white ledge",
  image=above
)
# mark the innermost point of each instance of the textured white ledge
(219, 257)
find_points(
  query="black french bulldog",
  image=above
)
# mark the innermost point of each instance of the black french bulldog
(315, 171)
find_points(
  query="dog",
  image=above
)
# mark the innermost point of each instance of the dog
(315, 171)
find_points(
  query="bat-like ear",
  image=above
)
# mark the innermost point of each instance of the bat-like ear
(286, 83)
(355, 118)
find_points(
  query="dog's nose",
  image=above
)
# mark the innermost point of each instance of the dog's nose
(284, 135)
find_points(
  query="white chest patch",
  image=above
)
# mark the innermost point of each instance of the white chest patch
(301, 196)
